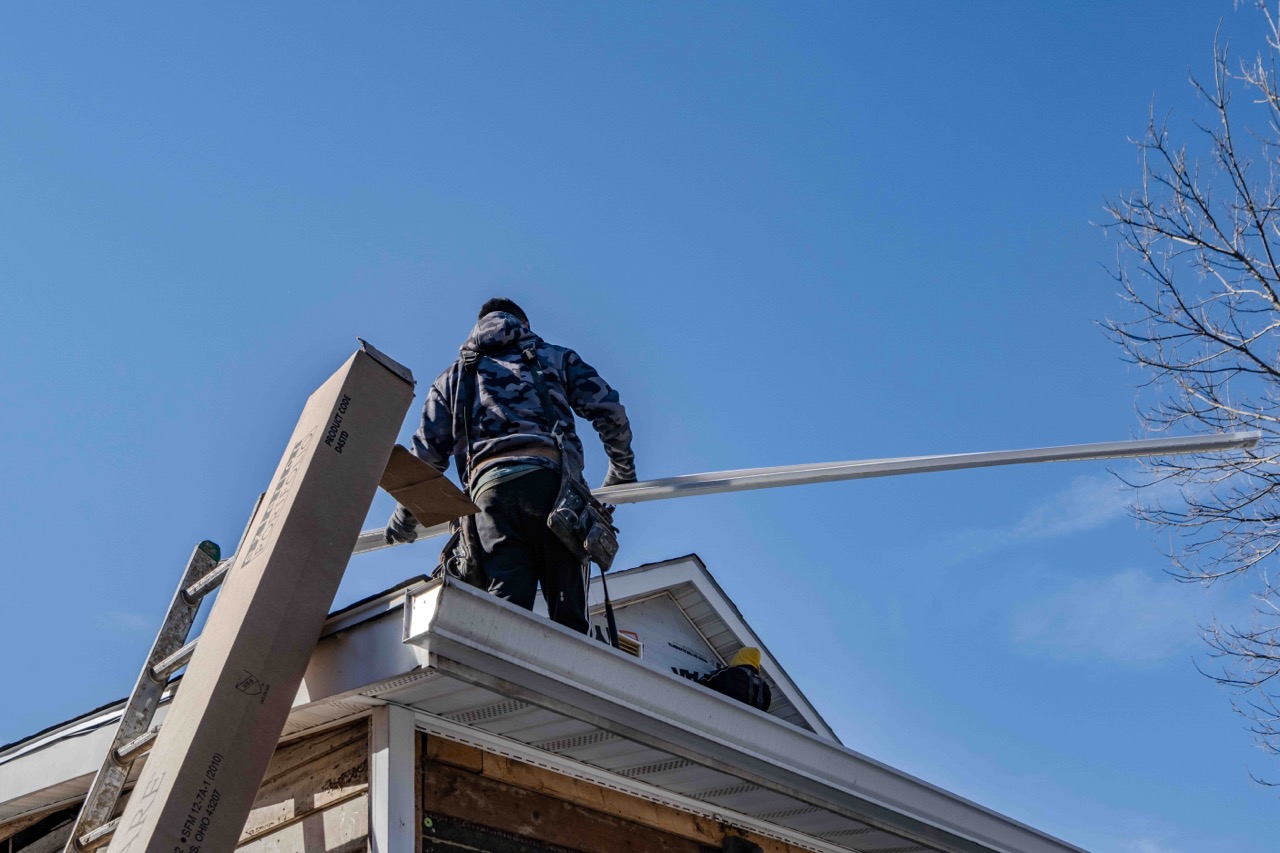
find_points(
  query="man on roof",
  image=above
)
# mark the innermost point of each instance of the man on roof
(487, 411)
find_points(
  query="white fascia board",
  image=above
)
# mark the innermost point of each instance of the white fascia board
(55, 763)
(637, 583)
(46, 770)
(488, 642)
(387, 601)
(78, 728)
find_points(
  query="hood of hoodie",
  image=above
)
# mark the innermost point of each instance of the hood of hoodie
(496, 331)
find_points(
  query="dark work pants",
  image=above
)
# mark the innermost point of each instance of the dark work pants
(518, 550)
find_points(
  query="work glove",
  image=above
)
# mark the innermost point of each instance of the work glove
(617, 477)
(402, 527)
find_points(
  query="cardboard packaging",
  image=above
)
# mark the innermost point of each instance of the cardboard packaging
(200, 780)
(423, 490)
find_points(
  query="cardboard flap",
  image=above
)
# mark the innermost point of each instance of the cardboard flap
(427, 493)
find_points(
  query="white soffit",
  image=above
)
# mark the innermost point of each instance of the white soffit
(501, 670)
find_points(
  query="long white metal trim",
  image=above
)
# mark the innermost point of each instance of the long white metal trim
(514, 749)
(798, 475)
(373, 540)
(746, 479)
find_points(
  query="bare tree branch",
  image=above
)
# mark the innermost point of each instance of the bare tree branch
(1198, 264)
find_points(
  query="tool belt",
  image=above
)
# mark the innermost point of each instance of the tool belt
(580, 521)
(577, 519)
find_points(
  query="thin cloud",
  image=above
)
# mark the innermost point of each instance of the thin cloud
(1147, 845)
(122, 622)
(1087, 503)
(1129, 617)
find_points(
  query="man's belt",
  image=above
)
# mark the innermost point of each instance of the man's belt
(537, 450)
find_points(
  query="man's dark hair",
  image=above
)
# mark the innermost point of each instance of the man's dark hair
(499, 303)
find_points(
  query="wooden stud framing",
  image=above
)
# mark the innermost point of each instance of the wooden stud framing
(492, 790)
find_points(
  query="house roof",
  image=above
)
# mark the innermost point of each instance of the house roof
(716, 619)
(476, 669)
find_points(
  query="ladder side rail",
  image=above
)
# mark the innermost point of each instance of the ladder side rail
(204, 574)
(145, 698)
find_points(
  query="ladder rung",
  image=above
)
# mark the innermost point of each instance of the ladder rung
(207, 584)
(163, 669)
(96, 838)
(130, 751)
(132, 738)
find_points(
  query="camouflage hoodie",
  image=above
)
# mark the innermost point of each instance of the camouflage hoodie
(506, 414)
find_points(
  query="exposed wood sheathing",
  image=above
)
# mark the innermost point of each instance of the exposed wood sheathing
(315, 795)
(491, 790)
(40, 833)
(15, 827)
(488, 803)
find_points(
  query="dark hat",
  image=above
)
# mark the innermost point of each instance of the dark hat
(499, 303)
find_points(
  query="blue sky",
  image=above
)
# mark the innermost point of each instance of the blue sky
(787, 233)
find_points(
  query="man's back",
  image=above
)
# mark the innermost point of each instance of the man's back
(505, 416)
(504, 410)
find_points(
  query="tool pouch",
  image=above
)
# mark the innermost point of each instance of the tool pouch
(578, 520)
(581, 522)
(458, 556)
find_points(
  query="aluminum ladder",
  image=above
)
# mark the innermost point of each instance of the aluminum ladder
(135, 735)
